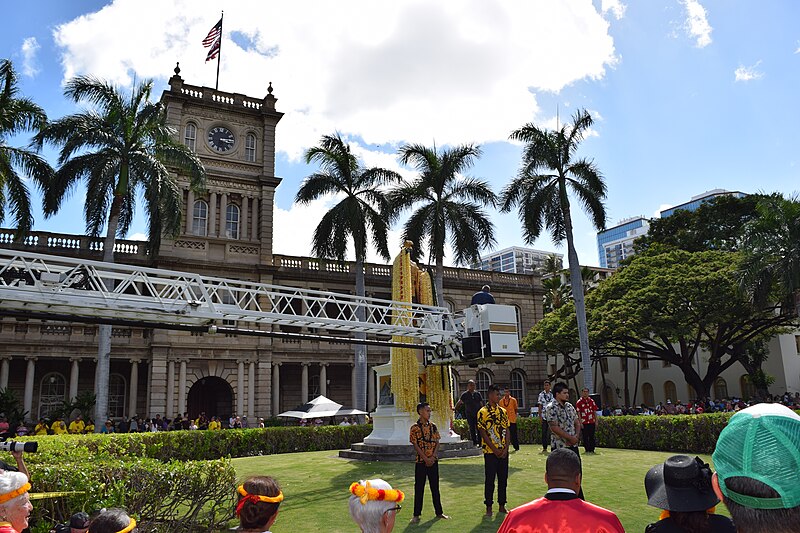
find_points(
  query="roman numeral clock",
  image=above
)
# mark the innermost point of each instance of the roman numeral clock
(220, 139)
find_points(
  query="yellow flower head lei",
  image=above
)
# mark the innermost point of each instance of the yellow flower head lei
(130, 527)
(366, 493)
(14, 493)
(255, 498)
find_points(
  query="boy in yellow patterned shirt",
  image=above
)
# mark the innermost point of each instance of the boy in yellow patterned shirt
(493, 427)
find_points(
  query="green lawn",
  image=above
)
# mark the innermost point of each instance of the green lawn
(316, 483)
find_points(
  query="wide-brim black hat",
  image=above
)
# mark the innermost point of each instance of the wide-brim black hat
(680, 484)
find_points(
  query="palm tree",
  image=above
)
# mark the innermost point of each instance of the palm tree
(121, 146)
(450, 206)
(556, 293)
(548, 174)
(361, 215)
(771, 264)
(18, 114)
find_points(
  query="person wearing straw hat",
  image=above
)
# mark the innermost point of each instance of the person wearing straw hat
(15, 503)
(681, 487)
(757, 458)
(260, 498)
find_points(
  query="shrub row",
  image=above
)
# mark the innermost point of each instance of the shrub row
(680, 433)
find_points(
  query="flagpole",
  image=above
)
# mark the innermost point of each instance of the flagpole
(219, 50)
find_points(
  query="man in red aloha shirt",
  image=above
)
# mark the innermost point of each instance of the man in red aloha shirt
(586, 410)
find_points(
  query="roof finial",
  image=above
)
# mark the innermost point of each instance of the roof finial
(177, 68)
(269, 89)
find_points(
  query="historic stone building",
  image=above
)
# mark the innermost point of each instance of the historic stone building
(228, 233)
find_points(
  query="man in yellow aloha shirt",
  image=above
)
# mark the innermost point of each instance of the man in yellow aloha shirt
(76, 426)
(493, 427)
(41, 427)
(59, 427)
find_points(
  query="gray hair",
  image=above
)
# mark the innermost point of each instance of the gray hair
(368, 516)
(9, 482)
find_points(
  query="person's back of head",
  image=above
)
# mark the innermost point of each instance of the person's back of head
(563, 470)
(260, 497)
(757, 458)
(112, 520)
(373, 504)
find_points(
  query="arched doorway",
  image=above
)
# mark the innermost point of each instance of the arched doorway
(212, 396)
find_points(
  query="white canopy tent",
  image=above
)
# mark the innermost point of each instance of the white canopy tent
(320, 407)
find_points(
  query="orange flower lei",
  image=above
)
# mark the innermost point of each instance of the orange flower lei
(14, 493)
(246, 497)
(367, 493)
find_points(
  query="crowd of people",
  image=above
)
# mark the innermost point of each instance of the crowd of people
(700, 406)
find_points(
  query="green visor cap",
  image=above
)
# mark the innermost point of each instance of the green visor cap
(762, 443)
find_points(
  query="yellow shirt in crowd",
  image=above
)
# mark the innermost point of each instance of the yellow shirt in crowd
(214, 425)
(59, 427)
(76, 427)
(40, 429)
(89, 428)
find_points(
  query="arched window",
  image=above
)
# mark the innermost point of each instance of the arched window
(454, 384)
(720, 389)
(450, 305)
(748, 389)
(117, 394)
(648, 394)
(482, 381)
(313, 388)
(518, 313)
(200, 218)
(52, 393)
(232, 221)
(250, 147)
(518, 387)
(670, 392)
(190, 136)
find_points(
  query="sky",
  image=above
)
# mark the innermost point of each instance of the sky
(687, 95)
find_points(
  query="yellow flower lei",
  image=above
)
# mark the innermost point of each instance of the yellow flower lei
(14, 493)
(129, 528)
(405, 366)
(367, 493)
(267, 499)
(438, 377)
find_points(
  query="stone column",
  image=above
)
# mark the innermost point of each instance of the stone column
(323, 379)
(73, 377)
(254, 225)
(189, 211)
(182, 388)
(243, 226)
(263, 386)
(169, 412)
(5, 362)
(304, 383)
(276, 388)
(212, 215)
(240, 389)
(223, 215)
(353, 388)
(27, 397)
(251, 391)
(370, 389)
(133, 395)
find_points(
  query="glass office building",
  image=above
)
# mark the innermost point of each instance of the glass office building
(700, 199)
(517, 260)
(615, 244)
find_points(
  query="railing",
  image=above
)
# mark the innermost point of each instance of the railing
(55, 243)
(221, 97)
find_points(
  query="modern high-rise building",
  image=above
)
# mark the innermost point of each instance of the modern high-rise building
(700, 199)
(517, 260)
(616, 243)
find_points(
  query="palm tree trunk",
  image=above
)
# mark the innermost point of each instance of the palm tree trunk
(576, 280)
(439, 281)
(360, 350)
(102, 371)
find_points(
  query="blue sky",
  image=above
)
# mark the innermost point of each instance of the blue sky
(688, 95)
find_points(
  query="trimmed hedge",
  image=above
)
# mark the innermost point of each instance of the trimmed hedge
(678, 433)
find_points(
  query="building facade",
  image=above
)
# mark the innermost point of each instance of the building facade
(616, 244)
(228, 233)
(700, 199)
(518, 260)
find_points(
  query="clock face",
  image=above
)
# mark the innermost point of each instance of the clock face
(220, 139)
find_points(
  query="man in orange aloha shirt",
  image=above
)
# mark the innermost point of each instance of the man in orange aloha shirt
(424, 436)
(509, 403)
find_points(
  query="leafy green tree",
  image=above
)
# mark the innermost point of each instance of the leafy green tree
(449, 208)
(361, 216)
(121, 146)
(18, 114)
(541, 191)
(771, 267)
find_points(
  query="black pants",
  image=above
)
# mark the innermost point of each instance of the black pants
(588, 437)
(472, 421)
(431, 473)
(512, 429)
(545, 434)
(495, 467)
(578, 453)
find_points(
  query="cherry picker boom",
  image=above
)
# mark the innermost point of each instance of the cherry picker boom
(60, 288)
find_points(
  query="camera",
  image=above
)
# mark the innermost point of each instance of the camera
(13, 446)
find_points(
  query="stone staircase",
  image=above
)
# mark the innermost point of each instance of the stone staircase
(405, 453)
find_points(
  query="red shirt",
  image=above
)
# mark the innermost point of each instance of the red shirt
(549, 516)
(586, 410)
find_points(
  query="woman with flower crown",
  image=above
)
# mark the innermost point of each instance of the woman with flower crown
(374, 505)
(259, 499)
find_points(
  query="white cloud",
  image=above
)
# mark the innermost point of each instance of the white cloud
(137, 237)
(615, 7)
(662, 207)
(30, 47)
(748, 73)
(697, 22)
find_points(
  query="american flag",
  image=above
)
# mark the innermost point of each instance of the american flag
(213, 36)
(213, 51)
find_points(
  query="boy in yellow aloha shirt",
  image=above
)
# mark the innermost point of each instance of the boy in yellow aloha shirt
(493, 427)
